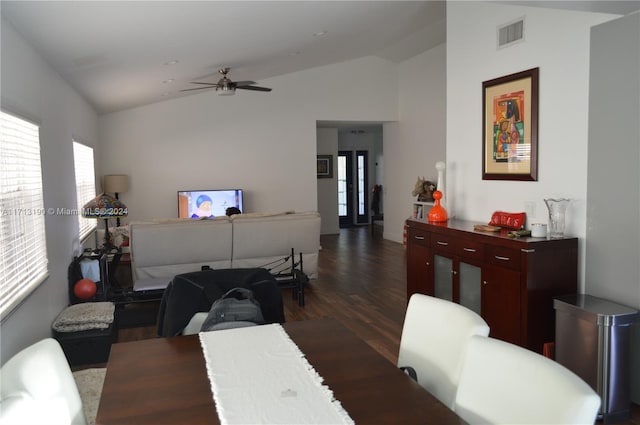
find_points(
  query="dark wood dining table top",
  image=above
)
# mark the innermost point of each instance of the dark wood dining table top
(164, 380)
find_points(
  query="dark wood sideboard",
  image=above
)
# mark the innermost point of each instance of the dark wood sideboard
(509, 281)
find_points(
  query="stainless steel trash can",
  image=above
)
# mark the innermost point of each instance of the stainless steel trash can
(593, 339)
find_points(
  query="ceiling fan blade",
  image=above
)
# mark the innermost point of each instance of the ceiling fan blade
(254, 88)
(200, 88)
(243, 83)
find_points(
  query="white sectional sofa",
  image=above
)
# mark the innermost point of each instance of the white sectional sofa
(162, 249)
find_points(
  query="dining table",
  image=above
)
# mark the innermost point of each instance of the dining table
(165, 381)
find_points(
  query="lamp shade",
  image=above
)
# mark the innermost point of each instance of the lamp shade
(116, 183)
(104, 206)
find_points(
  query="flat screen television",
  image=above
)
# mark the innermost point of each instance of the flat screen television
(208, 203)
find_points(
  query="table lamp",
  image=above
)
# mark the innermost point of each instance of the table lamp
(116, 183)
(106, 207)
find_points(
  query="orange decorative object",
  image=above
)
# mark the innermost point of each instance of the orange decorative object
(437, 214)
(85, 288)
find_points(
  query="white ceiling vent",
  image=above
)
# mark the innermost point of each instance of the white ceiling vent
(511, 33)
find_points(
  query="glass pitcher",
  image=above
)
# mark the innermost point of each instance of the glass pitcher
(557, 209)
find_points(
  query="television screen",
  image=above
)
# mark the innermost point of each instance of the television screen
(208, 203)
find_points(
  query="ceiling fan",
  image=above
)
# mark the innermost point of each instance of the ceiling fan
(226, 87)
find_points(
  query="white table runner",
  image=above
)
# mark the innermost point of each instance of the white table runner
(258, 375)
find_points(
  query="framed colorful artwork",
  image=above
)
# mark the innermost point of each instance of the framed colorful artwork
(510, 127)
(324, 166)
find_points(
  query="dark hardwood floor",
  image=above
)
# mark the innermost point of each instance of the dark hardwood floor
(362, 283)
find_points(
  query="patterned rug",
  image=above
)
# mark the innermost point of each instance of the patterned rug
(89, 382)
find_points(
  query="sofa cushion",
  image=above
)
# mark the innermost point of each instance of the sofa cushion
(261, 241)
(167, 249)
(181, 243)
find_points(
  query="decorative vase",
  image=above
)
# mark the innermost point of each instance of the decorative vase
(440, 167)
(437, 214)
(557, 209)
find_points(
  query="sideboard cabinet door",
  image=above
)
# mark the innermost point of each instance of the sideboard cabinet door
(443, 277)
(501, 303)
(457, 281)
(470, 287)
(419, 263)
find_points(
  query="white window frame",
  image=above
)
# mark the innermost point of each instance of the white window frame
(23, 245)
(83, 162)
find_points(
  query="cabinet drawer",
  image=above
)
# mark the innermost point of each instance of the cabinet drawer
(418, 237)
(504, 257)
(444, 243)
(467, 249)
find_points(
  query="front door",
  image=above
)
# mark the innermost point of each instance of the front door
(345, 189)
(353, 188)
(362, 186)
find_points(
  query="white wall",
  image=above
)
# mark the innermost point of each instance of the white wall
(558, 42)
(414, 144)
(31, 88)
(562, 54)
(264, 143)
(613, 199)
(327, 144)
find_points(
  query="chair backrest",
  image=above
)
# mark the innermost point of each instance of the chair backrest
(502, 383)
(37, 386)
(434, 337)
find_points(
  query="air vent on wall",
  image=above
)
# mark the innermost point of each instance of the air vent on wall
(510, 33)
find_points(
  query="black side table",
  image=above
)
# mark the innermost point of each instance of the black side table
(119, 272)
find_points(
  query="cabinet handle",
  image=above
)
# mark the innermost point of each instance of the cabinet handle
(469, 249)
(420, 238)
(428, 264)
(454, 272)
(484, 282)
(498, 257)
(443, 243)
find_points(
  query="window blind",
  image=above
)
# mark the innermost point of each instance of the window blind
(23, 247)
(85, 185)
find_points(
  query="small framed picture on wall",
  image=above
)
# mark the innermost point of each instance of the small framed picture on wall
(324, 166)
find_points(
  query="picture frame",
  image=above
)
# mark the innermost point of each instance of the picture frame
(510, 127)
(324, 166)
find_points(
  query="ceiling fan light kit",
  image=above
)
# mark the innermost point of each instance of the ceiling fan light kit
(226, 87)
(225, 91)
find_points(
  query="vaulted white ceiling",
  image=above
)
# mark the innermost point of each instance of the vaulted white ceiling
(114, 52)
(121, 54)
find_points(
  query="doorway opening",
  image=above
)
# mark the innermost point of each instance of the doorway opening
(357, 149)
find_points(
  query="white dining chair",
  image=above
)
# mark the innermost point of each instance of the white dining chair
(502, 383)
(37, 387)
(433, 342)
